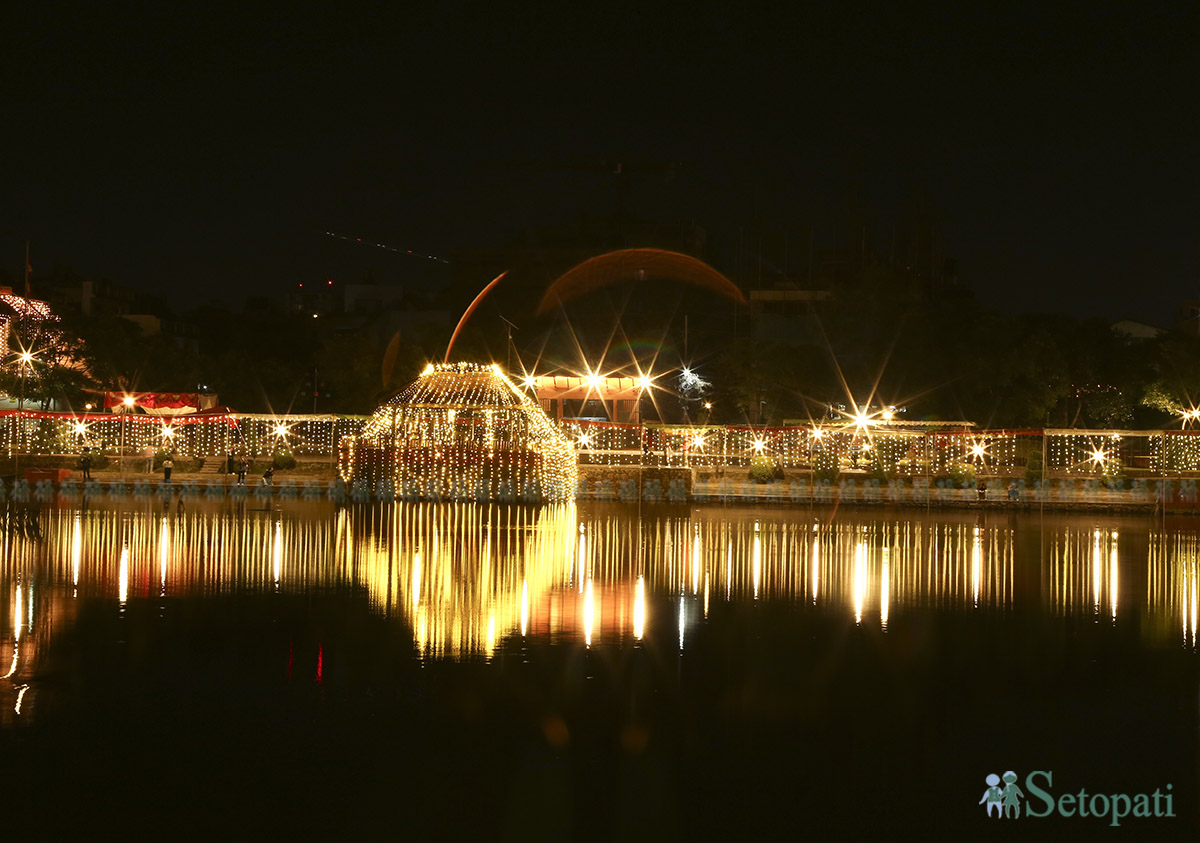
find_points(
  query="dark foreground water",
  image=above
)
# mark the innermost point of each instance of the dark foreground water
(424, 671)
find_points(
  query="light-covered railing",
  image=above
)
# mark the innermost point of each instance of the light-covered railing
(43, 434)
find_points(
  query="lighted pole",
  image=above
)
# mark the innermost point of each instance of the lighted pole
(127, 405)
(25, 359)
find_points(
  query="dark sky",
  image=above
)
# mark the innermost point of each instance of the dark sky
(202, 153)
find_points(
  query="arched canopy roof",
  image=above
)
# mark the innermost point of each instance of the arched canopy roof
(628, 265)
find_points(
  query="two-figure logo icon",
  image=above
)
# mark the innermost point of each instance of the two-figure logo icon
(1005, 799)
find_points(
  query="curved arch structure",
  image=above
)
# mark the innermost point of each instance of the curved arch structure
(629, 265)
(467, 314)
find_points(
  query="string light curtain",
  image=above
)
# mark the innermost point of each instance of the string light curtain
(462, 431)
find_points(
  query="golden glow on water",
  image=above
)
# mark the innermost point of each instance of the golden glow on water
(164, 543)
(639, 608)
(123, 577)
(579, 577)
(277, 552)
(697, 561)
(1172, 588)
(1113, 568)
(524, 608)
(860, 579)
(757, 563)
(1083, 572)
(589, 612)
(815, 564)
(416, 580)
(463, 579)
(17, 613)
(976, 565)
(883, 588)
(76, 548)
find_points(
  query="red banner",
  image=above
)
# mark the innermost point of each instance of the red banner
(159, 403)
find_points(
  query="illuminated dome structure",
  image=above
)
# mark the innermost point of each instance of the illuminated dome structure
(462, 431)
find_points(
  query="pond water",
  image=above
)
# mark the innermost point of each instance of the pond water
(597, 671)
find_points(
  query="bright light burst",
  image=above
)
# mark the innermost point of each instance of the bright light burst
(759, 444)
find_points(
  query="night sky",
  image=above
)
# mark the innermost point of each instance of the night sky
(202, 154)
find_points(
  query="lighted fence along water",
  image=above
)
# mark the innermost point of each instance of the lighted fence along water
(824, 450)
(46, 434)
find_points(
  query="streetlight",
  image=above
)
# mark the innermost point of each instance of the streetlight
(127, 403)
(25, 358)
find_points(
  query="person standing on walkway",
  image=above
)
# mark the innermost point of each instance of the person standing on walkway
(167, 465)
(85, 465)
(241, 471)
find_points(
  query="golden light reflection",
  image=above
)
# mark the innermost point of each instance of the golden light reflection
(277, 552)
(639, 608)
(815, 563)
(682, 620)
(416, 580)
(76, 551)
(976, 565)
(883, 589)
(524, 608)
(465, 578)
(1083, 573)
(17, 613)
(164, 542)
(1174, 586)
(1114, 566)
(757, 560)
(123, 576)
(860, 579)
(589, 612)
(697, 561)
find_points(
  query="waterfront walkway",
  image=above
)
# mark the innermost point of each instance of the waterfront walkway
(1170, 495)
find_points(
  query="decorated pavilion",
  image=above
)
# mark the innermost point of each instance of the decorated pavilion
(462, 431)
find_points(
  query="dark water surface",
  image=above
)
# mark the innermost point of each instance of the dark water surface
(438, 671)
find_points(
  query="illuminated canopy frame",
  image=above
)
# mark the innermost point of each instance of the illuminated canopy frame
(463, 431)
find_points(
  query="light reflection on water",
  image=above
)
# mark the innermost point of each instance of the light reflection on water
(466, 578)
